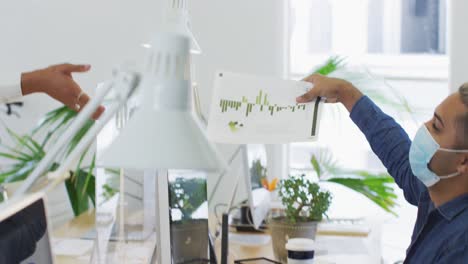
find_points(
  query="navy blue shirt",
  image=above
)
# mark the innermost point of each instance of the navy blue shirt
(440, 234)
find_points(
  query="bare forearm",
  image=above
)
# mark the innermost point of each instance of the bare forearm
(348, 95)
(31, 83)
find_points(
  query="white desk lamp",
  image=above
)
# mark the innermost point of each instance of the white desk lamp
(163, 133)
(125, 84)
(177, 21)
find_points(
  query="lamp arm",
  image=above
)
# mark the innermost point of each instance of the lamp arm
(129, 85)
(224, 172)
(64, 139)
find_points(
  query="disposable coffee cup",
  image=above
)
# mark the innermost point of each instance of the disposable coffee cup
(300, 251)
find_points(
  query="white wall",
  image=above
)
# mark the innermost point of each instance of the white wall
(241, 36)
(103, 33)
(37, 33)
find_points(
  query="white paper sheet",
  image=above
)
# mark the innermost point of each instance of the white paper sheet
(249, 109)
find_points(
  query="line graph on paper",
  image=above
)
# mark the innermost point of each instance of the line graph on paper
(251, 109)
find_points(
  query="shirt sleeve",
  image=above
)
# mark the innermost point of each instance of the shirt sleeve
(10, 88)
(390, 143)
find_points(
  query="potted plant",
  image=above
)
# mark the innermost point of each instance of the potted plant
(189, 236)
(28, 150)
(305, 204)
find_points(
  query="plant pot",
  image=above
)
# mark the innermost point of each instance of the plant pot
(282, 231)
(189, 241)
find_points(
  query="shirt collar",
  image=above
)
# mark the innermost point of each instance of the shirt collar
(454, 207)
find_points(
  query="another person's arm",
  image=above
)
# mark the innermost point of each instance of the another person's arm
(55, 81)
(387, 138)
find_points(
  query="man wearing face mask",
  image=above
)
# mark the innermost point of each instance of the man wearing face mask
(432, 170)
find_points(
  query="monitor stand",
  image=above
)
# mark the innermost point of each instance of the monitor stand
(225, 239)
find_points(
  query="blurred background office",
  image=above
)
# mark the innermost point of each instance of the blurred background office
(416, 45)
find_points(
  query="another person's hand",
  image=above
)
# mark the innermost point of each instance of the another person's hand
(57, 82)
(332, 89)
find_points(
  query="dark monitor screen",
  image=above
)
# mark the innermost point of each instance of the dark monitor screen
(24, 237)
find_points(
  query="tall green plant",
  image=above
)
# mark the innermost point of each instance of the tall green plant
(375, 186)
(28, 150)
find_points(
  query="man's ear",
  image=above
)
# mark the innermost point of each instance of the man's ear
(463, 167)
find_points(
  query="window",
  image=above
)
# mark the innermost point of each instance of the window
(386, 35)
(399, 39)
(403, 41)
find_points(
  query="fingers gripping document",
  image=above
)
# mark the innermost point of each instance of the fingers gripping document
(249, 109)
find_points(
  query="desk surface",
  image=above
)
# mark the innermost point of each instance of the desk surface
(133, 252)
(351, 253)
(74, 229)
(85, 222)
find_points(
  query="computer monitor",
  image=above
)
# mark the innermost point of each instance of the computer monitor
(259, 198)
(24, 231)
(254, 158)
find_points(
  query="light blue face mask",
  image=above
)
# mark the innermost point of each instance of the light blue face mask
(423, 149)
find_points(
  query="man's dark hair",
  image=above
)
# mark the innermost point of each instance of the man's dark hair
(464, 118)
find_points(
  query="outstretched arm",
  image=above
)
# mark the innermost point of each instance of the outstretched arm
(55, 81)
(386, 137)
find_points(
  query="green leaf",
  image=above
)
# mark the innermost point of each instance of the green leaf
(373, 186)
(51, 118)
(316, 166)
(78, 136)
(72, 196)
(91, 189)
(373, 189)
(331, 65)
(28, 153)
(12, 157)
(89, 175)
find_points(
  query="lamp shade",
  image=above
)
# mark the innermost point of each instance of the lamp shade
(163, 133)
(168, 140)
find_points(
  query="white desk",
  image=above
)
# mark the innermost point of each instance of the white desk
(133, 252)
(339, 250)
(343, 249)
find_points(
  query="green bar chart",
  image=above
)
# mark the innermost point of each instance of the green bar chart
(261, 104)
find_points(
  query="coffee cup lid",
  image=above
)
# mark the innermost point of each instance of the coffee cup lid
(300, 244)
